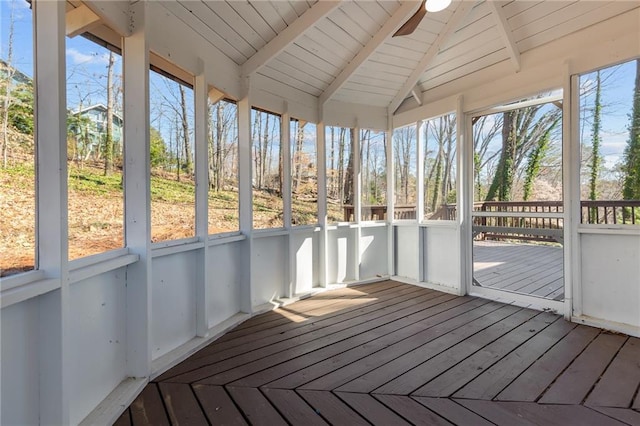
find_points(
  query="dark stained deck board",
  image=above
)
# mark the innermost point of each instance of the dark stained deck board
(233, 369)
(293, 408)
(619, 383)
(362, 358)
(452, 411)
(531, 383)
(625, 415)
(284, 314)
(456, 377)
(415, 378)
(148, 407)
(314, 302)
(529, 413)
(573, 385)
(411, 410)
(374, 411)
(381, 370)
(370, 341)
(181, 404)
(256, 408)
(332, 408)
(124, 419)
(218, 406)
(493, 380)
(370, 361)
(200, 368)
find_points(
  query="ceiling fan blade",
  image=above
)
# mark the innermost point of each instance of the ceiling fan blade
(413, 22)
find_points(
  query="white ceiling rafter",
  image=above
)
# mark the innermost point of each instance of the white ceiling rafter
(79, 20)
(389, 27)
(457, 17)
(505, 32)
(288, 36)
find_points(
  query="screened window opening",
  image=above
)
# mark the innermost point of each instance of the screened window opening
(340, 183)
(304, 173)
(268, 176)
(373, 172)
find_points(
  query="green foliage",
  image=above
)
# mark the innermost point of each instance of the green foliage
(631, 186)
(21, 109)
(535, 161)
(596, 139)
(158, 150)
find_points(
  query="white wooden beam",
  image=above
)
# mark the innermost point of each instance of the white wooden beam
(137, 190)
(289, 35)
(390, 26)
(416, 92)
(79, 20)
(115, 14)
(461, 11)
(505, 32)
(55, 368)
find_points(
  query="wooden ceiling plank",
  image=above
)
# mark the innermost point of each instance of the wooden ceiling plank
(288, 36)
(460, 13)
(505, 32)
(389, 27)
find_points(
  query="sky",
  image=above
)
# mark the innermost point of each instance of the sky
(87, 62)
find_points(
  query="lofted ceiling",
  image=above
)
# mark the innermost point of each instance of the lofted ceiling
(344, 50)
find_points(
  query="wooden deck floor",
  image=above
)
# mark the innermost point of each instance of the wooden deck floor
(520, 268)
(393, 354)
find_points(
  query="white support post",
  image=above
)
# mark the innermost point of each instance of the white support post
(322, 200)
(245, 196)
(390, 198)
(571, 190)
(285, 140)
(357, 199)
(464, 192)
(135, 54)
(420, 137)
(202, 194)
(52, 214)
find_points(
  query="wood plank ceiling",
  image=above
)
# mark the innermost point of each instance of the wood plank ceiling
(345, 52)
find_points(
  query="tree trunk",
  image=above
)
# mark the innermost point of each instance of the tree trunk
(7, 96)
(631, 187)
(108, 148)
(188, 159)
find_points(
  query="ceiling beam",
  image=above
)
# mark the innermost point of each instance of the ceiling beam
(505, 32)
(114, 14)
(288, 36)
(80, 20)
(460, 12)
(389, 27)
(417, 94)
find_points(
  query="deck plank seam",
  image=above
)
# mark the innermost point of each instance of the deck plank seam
(593, 385)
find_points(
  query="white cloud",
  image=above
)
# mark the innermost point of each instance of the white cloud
(90, 58)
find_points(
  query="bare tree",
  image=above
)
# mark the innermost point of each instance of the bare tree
(108, 149)
(6, 104)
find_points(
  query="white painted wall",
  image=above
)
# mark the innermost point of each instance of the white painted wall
(269, 266)
(305, 252)
(225, 275)
(441, 255)
(98, 340)
(173, 301)
(341, 255)
(407, 244)
(610, 272)
(373, 252)
(20, 369)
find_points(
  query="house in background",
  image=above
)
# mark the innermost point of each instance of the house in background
(97, 129)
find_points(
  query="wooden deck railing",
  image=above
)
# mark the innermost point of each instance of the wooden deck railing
(617, 212)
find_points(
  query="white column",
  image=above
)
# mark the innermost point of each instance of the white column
(285, 139)
(245, 176)
(357, 199)
(390, 197)
(201, 96)
(322, 200)
(135, 54)
(420, 137)
(52, 215)
(464, 193)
